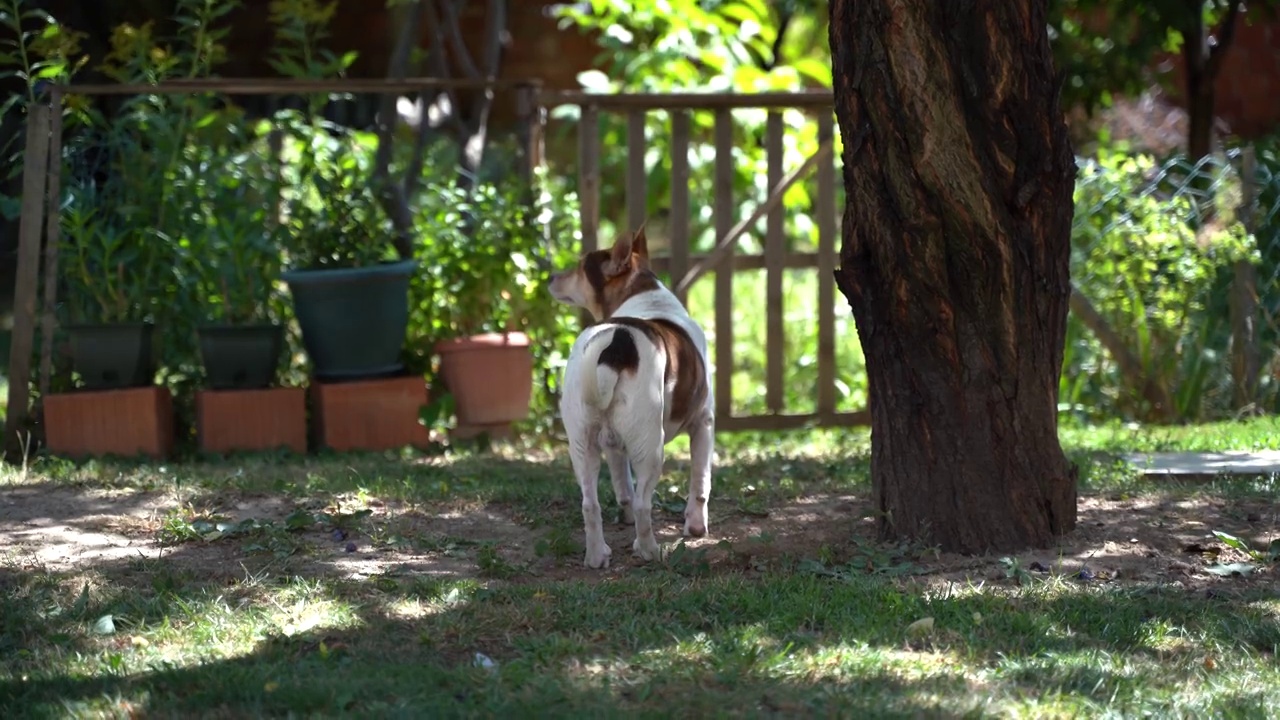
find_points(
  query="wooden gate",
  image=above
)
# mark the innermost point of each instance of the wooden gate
(683, 269)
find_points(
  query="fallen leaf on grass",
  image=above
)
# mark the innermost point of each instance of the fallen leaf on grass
(104, 625)
(923, 626)
(1232, 569)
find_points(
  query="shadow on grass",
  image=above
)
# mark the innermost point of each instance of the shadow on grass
(650, 641)
(236, 638)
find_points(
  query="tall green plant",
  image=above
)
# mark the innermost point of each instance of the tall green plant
(35, 50)
(1137, 258)
(330, 213)
(230, 253)
(147, 193)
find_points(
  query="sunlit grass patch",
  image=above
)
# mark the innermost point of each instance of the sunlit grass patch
(842, 626)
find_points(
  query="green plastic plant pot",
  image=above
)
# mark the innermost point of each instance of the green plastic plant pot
(111, 356)
(353, 320)
(240, 357)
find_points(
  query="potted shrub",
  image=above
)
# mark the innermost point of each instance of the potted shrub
(236, 263)
(349, 290)
(111, 269)
(483, 275)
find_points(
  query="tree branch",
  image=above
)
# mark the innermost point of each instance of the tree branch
(394, 197)
(784, 22)
(473, 151)
(1226, 34)
(440, 64)
(455, 40)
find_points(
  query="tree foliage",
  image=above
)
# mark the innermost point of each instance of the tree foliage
(1106, 48)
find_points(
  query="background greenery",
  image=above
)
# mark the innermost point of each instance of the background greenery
(183, 210)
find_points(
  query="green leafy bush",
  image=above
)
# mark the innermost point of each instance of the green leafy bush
(1158, 281)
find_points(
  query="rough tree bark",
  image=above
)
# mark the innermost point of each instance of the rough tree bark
(959, 178)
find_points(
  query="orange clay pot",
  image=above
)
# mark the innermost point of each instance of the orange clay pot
(490, 377)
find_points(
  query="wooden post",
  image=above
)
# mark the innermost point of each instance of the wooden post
(589, 176)
(53, 236)
(775, 250)
(826, 211)
(637, 182)
(1245, 357)
(530, 121)
(35, 167)
(679, 202)
(589, 183)
(724, 212)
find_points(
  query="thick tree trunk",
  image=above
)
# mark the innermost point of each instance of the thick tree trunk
(959, 178)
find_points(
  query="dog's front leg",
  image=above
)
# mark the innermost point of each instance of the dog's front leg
(620, 475)
(701, 449)
(586, 465)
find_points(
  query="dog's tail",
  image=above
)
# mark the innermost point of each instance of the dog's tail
(611, 359)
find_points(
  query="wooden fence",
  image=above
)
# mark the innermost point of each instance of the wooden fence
(684, 268)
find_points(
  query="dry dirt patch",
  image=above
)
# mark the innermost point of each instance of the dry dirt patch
(1118, 540)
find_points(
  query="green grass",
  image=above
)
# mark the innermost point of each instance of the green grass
(1260, 433)
(265, 621)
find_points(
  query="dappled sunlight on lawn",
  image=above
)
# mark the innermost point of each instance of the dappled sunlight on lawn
(384, 584)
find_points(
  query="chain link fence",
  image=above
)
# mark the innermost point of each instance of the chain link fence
(1176, 272)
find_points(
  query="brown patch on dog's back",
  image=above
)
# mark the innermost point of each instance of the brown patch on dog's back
(621, 353)
(684, 363)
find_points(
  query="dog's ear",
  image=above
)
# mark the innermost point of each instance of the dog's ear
(640, 247)
(620, 257)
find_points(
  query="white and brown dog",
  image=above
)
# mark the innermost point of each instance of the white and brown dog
(633, 382)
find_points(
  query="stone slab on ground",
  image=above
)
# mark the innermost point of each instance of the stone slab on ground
(1188, 465)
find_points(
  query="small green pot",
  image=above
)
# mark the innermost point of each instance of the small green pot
(111, 356)
(240, 357)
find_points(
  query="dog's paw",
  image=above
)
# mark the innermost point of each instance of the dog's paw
(695, 528)
(647, 550)
(695, 522)
(597, 558)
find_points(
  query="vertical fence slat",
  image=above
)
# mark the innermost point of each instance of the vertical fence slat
(826, 211)
(589, 177)
(35, 167)
(679, 224)
(1246, 358)
(529, 128)
(723, 185)
(53, 236)
(774, 259)
(637, 187)
(589, 183)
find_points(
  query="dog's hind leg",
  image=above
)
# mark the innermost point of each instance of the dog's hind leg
(620, 475)
(701, 448)
(646, 460)
(586, 466)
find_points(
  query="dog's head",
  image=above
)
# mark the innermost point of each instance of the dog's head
(604, 279)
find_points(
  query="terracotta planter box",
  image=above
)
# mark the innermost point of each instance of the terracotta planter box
(377, 414)
(491, 378)
(267, 419)
(126, 422)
